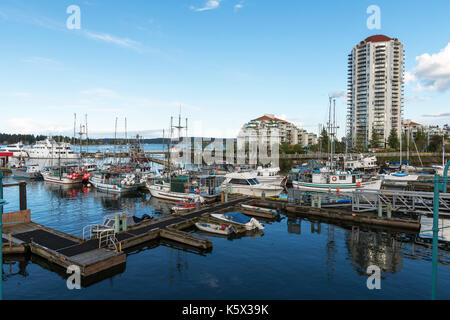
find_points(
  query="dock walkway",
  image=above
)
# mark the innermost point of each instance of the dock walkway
(92, 258)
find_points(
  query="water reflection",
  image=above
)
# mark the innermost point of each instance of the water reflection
(368, 248)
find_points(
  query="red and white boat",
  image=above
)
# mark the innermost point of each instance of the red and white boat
(184, 207)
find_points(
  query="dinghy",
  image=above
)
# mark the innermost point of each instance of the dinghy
(240, 219)
(215, 228)
(184, 207)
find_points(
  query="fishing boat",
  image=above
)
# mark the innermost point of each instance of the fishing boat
(338, 181)
(118, 181)
(137, 153)
(31, 171)
(247, 183)
(215, 228)
(178, 189)
(240, 219)
(63, 174)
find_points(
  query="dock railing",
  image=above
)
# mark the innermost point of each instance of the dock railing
(107, 239)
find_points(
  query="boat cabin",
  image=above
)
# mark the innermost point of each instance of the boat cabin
(336, 178)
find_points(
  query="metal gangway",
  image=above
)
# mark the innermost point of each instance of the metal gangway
(364, 200)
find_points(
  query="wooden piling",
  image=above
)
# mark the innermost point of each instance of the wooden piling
(23, 196)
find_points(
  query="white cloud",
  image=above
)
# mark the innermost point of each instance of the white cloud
(42, 61)
(209, 5)
(238, 6)
(417, 99)
(339, 94)
(432, 72)
(438, 115)
(122, 42)
(32, 126)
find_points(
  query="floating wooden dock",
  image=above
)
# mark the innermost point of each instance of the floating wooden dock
(63, 249)
(341, 215)
(22, 235)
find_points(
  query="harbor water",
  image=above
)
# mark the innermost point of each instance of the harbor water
(292, 259)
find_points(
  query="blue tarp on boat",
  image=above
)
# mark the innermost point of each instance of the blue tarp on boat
(237, 217)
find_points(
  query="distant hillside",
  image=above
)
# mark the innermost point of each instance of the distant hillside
(29, 139)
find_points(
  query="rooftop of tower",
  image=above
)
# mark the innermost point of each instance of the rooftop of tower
(378, 38)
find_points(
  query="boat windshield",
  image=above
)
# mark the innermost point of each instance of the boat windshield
(253, 181)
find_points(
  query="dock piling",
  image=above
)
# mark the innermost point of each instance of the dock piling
(389, 211)
(380, 209)
(117, 223)
(23, 195)
(124, 222)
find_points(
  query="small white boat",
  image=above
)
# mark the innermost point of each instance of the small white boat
(240, 219)
(215, 228)
(399, 177)
(184, 207)
(246, 206)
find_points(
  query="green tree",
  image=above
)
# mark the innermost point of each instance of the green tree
(375, 139)
(324, 140)
(393, 139)
(435, 144)
(421, 140)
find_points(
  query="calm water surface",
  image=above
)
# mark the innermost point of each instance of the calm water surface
(293, 259)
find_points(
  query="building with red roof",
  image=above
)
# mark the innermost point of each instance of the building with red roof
(375, 89)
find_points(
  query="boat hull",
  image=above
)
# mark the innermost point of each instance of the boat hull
(112, 188)
(274, 181)
(248, 226)
(213, 228)
(163, 193)
(67, 181)
(255, 191)
(341, 188)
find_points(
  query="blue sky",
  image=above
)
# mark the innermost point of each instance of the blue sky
(224, 62)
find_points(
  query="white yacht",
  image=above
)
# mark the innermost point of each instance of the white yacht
(17, 150)
(269, 175)
(360, 163)
(50, 149)
(247, 183)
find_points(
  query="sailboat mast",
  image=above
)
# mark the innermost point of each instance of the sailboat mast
(115, 140)
(401, 138)
(87, 137)
(407, 145)
(74, 128)
(443, 151)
